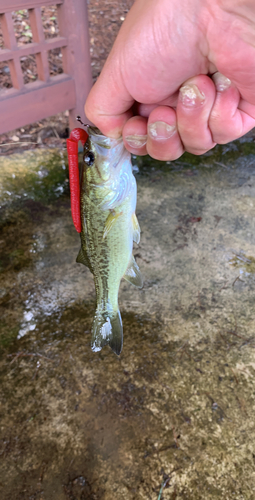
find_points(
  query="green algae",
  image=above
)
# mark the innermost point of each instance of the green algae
(8, 335)
(223, 156)
(39, 175)
(245, 262)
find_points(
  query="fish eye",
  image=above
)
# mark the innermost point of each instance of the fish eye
(89, 158)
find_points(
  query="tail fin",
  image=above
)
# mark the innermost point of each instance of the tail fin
(107, 330)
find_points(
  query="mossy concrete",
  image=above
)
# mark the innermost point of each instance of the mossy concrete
(177, 407)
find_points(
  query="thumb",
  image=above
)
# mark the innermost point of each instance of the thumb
(108, 103)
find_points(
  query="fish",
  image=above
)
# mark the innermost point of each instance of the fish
(109, 225)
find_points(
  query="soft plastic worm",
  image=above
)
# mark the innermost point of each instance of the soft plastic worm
(77, 134)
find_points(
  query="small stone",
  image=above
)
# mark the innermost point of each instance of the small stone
(15, 138)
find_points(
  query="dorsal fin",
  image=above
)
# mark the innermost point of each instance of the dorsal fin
(82, 258)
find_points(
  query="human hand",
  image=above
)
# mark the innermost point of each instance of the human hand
(161, 45)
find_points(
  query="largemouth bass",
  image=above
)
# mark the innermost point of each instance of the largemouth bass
(109, 227)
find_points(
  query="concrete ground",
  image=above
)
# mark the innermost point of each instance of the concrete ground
(171, 418)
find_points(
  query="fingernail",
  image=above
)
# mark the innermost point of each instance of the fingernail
(221, 82)
(161, 130)
(136, 141)
(190, 95)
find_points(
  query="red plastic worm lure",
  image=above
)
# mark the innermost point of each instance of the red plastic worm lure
(77, 134)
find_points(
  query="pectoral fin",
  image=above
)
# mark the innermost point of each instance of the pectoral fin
(136, 229)
(133, 274)
(82, 258)
(110, 221)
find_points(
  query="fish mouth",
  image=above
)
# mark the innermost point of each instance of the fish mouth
(99, 139)
(94, 131)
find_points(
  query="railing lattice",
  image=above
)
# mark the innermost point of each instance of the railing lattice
(73, 84)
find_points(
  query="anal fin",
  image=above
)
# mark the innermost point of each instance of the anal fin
(136, 229)
(133, 274)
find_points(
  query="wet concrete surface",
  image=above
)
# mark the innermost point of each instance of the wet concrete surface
(173, 416)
